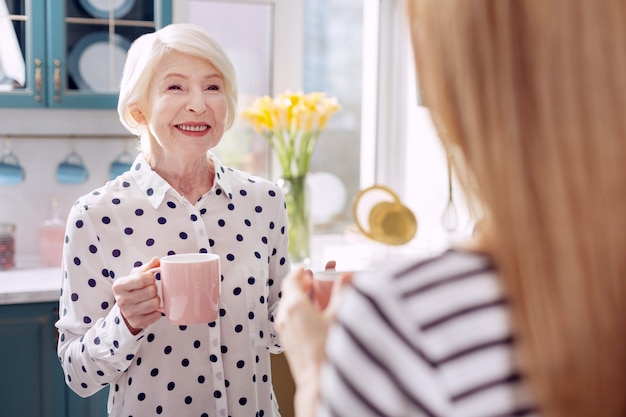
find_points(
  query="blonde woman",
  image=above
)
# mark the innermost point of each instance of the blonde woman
(529, 319)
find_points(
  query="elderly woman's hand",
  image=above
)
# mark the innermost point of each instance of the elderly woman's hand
(137, 297)
(303, 329)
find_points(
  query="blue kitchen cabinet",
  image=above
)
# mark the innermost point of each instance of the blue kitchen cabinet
(32, 383)
(72, 51)
(23, 59)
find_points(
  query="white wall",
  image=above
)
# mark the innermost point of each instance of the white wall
(28, 204)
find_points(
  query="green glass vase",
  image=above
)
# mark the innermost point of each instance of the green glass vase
(297, 197)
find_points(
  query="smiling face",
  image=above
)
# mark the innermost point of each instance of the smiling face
(185, 107)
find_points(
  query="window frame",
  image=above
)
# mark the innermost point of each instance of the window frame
(383, 139)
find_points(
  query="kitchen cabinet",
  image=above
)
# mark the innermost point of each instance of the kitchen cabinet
(32, 383)
(72, 52)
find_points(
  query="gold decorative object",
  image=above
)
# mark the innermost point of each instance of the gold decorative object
(380, 215)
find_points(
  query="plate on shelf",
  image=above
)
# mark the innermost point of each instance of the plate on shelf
(100, 8)
(89, 64)
(328, 196)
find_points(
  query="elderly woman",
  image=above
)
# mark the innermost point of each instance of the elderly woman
(179, 93)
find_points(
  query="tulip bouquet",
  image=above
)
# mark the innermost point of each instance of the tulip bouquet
(292, 124)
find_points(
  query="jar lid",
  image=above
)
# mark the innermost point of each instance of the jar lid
(7, 228)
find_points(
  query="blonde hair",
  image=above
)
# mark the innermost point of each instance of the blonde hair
(144, 56)
(531, 93)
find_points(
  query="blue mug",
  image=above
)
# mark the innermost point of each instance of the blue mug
(11, 172)
(121, 164)
(72, 170)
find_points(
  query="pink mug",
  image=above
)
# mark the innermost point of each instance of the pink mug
(323, 282)
(190, 287)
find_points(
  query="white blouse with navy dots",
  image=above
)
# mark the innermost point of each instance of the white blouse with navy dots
(217, 369)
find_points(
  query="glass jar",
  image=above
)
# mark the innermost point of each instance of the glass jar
(51, 236)
(7, 246)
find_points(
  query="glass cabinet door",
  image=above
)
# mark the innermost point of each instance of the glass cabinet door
(22, 53)
(87, 46)
(70, 53)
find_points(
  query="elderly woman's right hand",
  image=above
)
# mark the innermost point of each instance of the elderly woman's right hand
(137, 297)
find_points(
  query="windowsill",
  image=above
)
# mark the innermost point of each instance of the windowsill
(353, 251)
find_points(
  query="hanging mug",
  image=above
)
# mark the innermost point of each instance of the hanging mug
(11, 172)
(72, 170)
(121, 164)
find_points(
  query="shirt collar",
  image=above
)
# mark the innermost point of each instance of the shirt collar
(222, 177)
(155, 187)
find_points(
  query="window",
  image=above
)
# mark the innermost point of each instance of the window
(333, 63)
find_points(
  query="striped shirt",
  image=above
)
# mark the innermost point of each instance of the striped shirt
(429, 338)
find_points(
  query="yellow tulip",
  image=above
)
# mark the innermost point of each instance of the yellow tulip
(292, 123)
(328, 108)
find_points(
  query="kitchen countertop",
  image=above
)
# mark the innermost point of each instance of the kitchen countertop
(30, 285)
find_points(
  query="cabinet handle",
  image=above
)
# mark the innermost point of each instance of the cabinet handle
(38, 79)
(55, 313)
(57, 80)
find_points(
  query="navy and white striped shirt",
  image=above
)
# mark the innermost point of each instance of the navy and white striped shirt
(429, 338)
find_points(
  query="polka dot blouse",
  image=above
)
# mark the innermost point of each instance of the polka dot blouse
(217, 369)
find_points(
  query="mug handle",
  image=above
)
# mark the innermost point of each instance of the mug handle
(8, 155)
(154, 271)
(74, 158)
